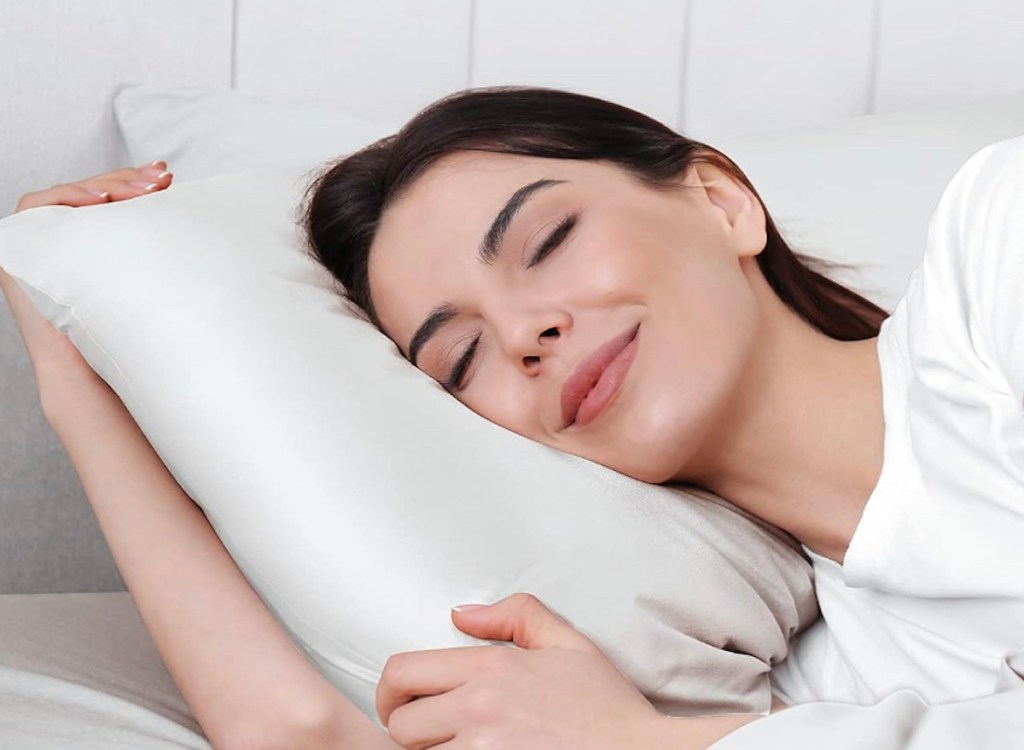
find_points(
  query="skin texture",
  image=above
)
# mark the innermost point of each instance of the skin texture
(729, 389)
(623, 265)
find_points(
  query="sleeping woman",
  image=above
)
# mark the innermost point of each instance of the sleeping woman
(582, 275)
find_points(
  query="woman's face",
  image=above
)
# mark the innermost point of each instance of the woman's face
(618, 258)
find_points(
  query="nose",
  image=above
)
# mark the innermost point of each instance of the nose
(531, 340)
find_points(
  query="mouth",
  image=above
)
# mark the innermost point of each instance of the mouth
(595, 381)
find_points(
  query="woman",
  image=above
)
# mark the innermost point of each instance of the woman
(584, 276)
(591, 186)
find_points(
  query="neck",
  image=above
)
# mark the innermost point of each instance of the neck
(800, 444)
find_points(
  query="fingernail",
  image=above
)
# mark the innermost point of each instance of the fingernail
(467, 607)
(162, 175)
(149, 187)
(158, 163)
(100, 193)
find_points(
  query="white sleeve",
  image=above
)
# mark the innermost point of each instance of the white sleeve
(980, 219)
(902, 721)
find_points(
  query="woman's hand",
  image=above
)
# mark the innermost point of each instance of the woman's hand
(60, 370)
(108, 187)
(557, 691)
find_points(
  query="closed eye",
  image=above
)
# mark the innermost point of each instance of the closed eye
(454, 380)
(553, 240)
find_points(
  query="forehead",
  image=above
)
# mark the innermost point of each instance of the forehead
(428, 238)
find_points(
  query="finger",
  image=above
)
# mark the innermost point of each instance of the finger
(63, 195)
(524, 620)
(425, 722)
(143, 171)
(413, 674)
(123, 188)
(148, 173)
(130, 182)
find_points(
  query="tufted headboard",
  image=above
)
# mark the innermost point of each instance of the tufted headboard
(711, 68)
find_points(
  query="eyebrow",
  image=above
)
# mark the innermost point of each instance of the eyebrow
(491, 243)
(487, 253)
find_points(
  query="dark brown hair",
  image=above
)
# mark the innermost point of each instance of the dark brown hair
(343, 204)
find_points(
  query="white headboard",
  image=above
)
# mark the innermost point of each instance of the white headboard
(712, 68)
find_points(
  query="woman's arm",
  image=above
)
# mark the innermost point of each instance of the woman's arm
(247, 683)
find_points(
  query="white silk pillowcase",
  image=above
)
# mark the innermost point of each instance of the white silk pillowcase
(361, 500)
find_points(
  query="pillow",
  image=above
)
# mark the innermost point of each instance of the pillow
(358, 497)
(858, 191)
(203, 132)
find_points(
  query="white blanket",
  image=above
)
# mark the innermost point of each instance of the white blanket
(902, 721)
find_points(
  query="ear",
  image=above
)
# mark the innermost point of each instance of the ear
(742, 215)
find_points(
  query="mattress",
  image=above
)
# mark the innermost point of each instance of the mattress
(80, 671)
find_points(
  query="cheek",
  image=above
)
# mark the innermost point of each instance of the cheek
(501, 395)
(695, 349)
(633, 249)
(608, 269)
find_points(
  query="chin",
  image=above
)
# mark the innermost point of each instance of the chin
(652, 449)
(653, 474)
(646, 465)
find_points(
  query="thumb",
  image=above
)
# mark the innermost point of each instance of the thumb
(524, 620)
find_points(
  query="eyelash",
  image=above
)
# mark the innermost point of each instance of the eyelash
(550, 243)
(553, 240)
(459, 371)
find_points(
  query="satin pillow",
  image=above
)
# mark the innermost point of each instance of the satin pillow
(360, 499)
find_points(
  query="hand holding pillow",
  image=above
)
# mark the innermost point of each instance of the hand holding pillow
(108, 187)
(58, 366)
(556, 690)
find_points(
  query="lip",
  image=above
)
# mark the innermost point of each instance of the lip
(582, 399)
